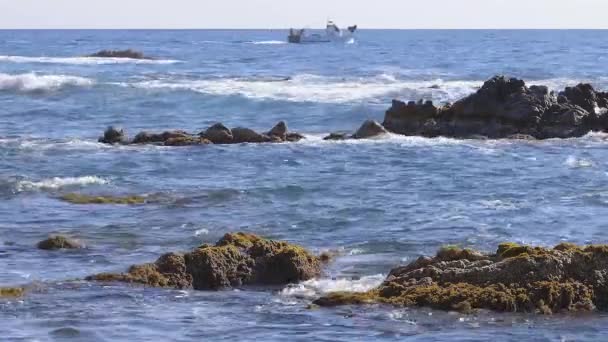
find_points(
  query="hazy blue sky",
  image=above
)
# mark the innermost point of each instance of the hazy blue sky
(287, 13)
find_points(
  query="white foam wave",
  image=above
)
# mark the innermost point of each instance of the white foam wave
(317, 287)
(40, 83)
(313, 88)
(390, 138)
(59, 182)
(575, 162)
(84, 60)
(269, 42)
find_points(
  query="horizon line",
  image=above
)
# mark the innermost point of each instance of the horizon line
(287, 28)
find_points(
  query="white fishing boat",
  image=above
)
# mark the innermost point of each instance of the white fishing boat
(332, 33)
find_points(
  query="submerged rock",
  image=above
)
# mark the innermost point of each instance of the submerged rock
(338, 136)
(75, 198)
(516, 278)
(113, 135)
(59, 242)
(505, 107)
(119, 54)
(238, 259)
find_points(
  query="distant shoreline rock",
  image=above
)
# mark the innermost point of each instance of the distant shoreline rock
(120, 54)
(503, 108)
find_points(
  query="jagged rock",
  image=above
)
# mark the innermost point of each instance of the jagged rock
(119, 54)
(238, 259)
(515, 279)
(113, 135)
(218, 134)
(504, 107)
(59, 242)
(246, 135)
(369, 129)
(279, 130)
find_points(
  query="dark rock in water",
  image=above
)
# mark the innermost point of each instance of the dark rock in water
(238, 259)
(279, 130)
(338, 136)
(82, 199)
(119, 54)
(59, 242)
(151, 138)
(370, 129)
(246, 135)
(218, 134)
(113, 135)
(504, 107)
(515, 279)
(294, 137)
(435, 86)
(186, 141)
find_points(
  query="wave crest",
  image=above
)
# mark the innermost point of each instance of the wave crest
(32, 82)
(316, 287)
(59, 182)
(84, 60)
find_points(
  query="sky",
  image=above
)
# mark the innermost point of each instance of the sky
(429, 14)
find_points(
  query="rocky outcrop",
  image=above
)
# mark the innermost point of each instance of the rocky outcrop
(505, 107)
(11, 292)
(119, 54)
(515, 279)
(236, 260)
(216, 134)
(59, 242)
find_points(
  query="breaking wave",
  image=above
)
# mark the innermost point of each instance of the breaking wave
(313, 88)
(59, 182)
(84, 60)
(269, 42)
(317, 287)
(32, 82)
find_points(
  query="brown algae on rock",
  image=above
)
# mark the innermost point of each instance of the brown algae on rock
(517, 278)
(76, 198)
(11, 292)
(237, 259)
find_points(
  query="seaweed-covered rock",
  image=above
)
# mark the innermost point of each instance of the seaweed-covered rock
(370, 129)
(515, 279)
(218, 134)
(119, 54)
(76, 198)
(11, 292)
(505, 107)
(59, 242)
(236, 260)
(113, 135)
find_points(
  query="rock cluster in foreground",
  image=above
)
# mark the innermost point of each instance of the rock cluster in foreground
(119, 54)
(505, 108)
(216, 134)
(515, 279)
(238, 259)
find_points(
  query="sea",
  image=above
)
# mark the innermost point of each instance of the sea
(375, 203)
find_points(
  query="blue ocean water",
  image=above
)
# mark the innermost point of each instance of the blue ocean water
(379, 203)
